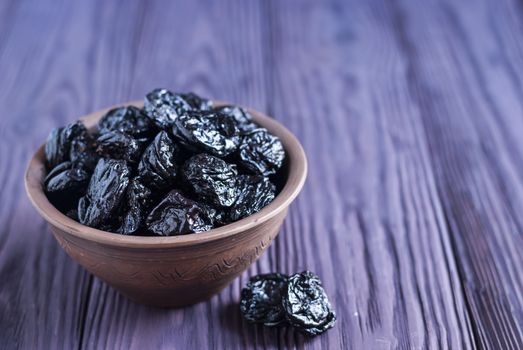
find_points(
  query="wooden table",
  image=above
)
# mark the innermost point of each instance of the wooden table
(411, 116)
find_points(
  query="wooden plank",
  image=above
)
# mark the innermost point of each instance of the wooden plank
(375, 230)
(472, 125)
(214, 58)
(410, 116)
(42, 292)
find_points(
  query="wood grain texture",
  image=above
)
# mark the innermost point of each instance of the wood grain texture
(410, 116)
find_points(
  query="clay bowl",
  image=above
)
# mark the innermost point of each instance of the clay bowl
(180, 270)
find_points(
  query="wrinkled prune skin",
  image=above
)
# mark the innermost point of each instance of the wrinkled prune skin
(57, 170)
(109, 178)
(261, 152)
(138, 200)
(208, 132)
(261, 299)
(65, 177)
(82, 152)
(254, 193)
(219, 216)
(306, 304)
(58, 143)
(65, 184)
(105, 192)
(129, 120)
(196, 102)
(164, 107)
(158, 165)
(242, 118)
(117, 145)
(212, 179)
(178, 215)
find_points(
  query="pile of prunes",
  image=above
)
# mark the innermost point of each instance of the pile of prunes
(299, 300)
(179, 165)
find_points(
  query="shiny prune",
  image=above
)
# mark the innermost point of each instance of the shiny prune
(65, 184)
(208, 132)
(64, 177)
(306, 304)
(159, 163)
(129, 120)
(261, 299)
(212, 179)
(118, 145)
(242, 118)
(82, 152)
(164, 107)
(218, 158)
(178, 215)
(58, 143)
(196, 102)
(105, 192)
(261, 152)
(254, 193)
(138, 200)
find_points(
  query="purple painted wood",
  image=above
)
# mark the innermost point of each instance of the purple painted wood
(410, 116)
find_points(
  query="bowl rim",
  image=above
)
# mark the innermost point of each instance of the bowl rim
(297, 173)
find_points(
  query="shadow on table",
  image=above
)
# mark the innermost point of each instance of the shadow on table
(233, 323)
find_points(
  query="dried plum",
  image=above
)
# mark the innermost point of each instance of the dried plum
(105, 192)
(217, 158)
(261, 152)
(58, 143)
(254, 193)
(261, 299)
(178, 215)
(118, 145)
(212, 179)
(158, 165)
(65, 184)
(129, 120)
(196, 102)
(306, 304)
(164, 107)
(210, 132)
(65, 177)
(242, 118)
(82, 152)
(138, 200)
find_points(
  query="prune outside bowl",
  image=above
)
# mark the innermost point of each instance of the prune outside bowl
(172, 271)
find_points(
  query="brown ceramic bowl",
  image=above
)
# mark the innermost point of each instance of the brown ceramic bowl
(179, 270)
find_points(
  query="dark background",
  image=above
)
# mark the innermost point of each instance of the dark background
(410, 113)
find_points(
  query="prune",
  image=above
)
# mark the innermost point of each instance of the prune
(196, 102)
(261, 152)
(57, 170)
(306, 304)
(178, 215)
(59, 141)
(105, 192)
(242, 118)
(138, 200)
(164, 107)
(66, 178)
(212, 179)
(210, 132)
(117, 145)
(254, 193)
(158, 165)
(82, 152)
(217, 158)
(261, 299)
(129, 120)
